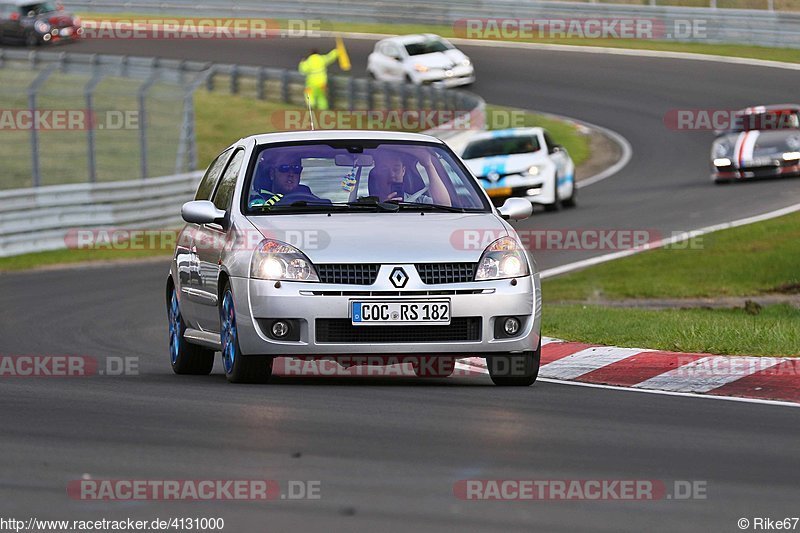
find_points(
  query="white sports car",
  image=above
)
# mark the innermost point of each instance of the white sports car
(523, 162)
(420, 59)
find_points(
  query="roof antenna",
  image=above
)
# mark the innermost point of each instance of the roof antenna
(310, 111)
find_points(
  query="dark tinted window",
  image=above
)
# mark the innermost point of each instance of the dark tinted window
(520, 144)
(31, 10)
(210, 179)
(426, 47)
(227, 185)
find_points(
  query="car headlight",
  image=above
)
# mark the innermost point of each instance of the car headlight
(791, 156)
(534, 170)
(276, 260)
(466, 62)
(419, 67)
(504, 258)
(722, 162)
(722, 149)
(42, 26)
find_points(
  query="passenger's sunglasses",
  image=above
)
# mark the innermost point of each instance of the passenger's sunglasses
(294, 169)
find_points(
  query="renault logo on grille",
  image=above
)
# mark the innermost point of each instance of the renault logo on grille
(398, 277)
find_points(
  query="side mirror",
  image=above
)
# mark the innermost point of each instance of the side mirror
(516, 209)
(556, 148)
(202, 212)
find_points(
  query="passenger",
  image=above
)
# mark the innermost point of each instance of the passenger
(388, 180)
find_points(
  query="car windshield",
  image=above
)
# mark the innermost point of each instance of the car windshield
(38, 8)
(428, 46)
(360, 175)
(520, 144)
(772, 120)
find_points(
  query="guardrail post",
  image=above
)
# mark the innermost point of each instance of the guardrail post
(387, 100)
(235, 79)
(262, 74)
(370, 94)
(210, 81)
(351, 93)
(420, 98)
(33, 90)
(91, 162)
(285, 85)
(404, 96)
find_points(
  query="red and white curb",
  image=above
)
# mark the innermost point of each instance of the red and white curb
(757, 378)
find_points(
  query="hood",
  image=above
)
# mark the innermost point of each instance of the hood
(385, 237)
(504, 164)
(441, 60)
(749, 145)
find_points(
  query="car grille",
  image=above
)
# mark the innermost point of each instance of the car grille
(348, 274)
(342, 330)
(437, 273)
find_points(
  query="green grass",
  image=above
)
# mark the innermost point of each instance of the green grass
(774, 331)
(66, 257)
(749, 260)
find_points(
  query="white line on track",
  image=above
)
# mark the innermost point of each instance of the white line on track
(577, 265)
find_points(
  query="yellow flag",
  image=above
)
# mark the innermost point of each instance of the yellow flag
(344, 59)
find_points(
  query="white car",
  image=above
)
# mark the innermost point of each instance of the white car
(523, 162)
(420, 59)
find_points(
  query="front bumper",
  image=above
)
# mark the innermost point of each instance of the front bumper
(258, 301)
(455, 77)
(536, 189)
(776, 170)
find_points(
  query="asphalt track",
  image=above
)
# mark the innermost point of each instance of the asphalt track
(388, 450)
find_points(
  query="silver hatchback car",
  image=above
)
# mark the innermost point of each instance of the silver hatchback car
(342, 244)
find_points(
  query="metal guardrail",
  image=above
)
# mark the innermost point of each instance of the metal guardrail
(41, 218)
(741, 26)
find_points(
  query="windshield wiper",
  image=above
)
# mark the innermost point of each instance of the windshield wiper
(431, 207)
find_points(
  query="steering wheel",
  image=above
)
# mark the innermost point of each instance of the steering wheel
(302, 196)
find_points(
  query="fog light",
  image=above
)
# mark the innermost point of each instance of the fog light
(511, 326)
(280, 329)
(533, 192)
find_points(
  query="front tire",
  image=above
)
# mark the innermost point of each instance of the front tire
(572, 201)
(556, 205)
(239, 368)
(186, 358)
(515, 370)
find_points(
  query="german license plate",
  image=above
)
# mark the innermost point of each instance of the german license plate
(499, 191)
(399, 313)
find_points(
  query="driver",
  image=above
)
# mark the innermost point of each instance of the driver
(278, 178)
